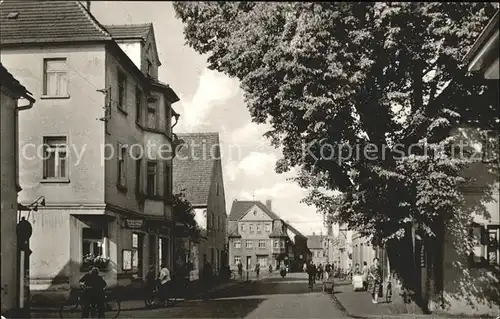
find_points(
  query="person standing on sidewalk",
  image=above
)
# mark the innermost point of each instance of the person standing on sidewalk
(376, 276)
(257, 269)
(364, 272)
(164, 279)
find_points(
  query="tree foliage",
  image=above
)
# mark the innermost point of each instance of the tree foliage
(184, 214)
(335, 80)
(341, 76)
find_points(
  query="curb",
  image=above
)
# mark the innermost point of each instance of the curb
(341, 307)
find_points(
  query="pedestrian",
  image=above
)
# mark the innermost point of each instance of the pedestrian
(328, 269)
(304, 268)
(165, 279)
(376, 276)
(257, 269)
(240, 270)
(151, 282)
(364, 272)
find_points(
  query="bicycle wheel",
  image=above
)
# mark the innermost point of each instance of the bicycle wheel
(112, 308)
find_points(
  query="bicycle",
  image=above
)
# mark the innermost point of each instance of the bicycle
(311, 283)
(74, 307)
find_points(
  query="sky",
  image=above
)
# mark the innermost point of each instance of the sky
(213, 102)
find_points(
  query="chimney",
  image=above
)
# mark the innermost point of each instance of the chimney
(88, 5)
(268, 205)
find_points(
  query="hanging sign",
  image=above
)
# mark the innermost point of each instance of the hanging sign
(134, 223)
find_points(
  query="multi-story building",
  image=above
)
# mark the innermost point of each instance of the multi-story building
(257, 235)
(341, 247)
(299, 252)
(362, 250)
(318, 245)
(13, 252)
(98, 148)
(198, 173)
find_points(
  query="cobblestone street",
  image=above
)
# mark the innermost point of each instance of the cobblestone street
(271, 297)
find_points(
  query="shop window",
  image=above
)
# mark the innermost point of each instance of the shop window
(237, 260)
(94, 248)
(137, 254)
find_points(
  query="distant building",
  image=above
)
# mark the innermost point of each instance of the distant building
(257, 235)
(11, 92)
(318, 244)
(103, 115)
(198, 172)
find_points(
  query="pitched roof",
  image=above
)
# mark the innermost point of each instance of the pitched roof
(314, 242)
(193, 166)
(30, 21)
(485, 36)
(295, 231)
(9, 81)
(129, 31)
(240, 208)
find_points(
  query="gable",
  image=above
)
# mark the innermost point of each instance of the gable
(255, 213)
(151, 44)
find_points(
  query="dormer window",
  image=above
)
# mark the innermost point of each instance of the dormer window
(150, 67)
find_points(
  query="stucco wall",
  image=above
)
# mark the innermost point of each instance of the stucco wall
(8, 155)
(74, 117)
(470, 291)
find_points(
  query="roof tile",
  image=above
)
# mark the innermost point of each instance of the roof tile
(129, 31)
(193, 166)
(240, 208)
(48, 21)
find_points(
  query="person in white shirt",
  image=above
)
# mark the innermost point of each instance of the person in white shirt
(164, 278)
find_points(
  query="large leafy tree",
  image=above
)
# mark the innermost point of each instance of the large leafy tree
(347, 89)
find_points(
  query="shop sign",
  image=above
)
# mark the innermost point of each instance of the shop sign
(134, 223)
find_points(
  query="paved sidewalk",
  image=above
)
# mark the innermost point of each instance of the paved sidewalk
(359, 305)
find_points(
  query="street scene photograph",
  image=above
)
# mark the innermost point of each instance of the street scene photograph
(249, 159)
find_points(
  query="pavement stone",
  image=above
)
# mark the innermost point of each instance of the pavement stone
(359, 305)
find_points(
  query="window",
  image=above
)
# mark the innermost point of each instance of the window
(250, 228)
(217, 189)
(138, 169)
(262, 260)
(122, 91)
(237, 244)
(150, 67)
(93, 241)
(153, 113)
(248, 244)
(167, 191)
(151, 178)
(485, 250)
(55, 78)
(268, 228)
(122, 166)
(282, 243)
(262, 244)
(138, 105)
(275, 243)
(242, 227)
(237, 260)
(160, 251)
(136, 253)
(259, 228)
(218, 223)
(55, 158)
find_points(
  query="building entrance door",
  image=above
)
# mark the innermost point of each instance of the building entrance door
(249, 262)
